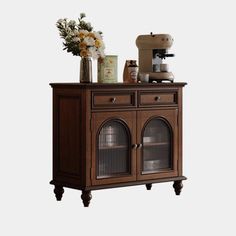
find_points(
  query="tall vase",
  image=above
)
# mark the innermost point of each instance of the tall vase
(86, 70)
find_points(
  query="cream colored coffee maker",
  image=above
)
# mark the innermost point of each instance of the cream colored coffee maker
(153, 49)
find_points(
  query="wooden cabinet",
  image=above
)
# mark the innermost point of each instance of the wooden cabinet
(114, 135)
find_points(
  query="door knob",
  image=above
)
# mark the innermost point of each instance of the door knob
(139, 145)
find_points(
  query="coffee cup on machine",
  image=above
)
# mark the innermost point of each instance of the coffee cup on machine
(164, 67)
(144, 77)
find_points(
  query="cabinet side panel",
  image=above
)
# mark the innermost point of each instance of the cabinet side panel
(69, 134)
(180, 158)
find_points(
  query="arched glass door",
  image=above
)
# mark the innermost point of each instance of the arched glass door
(113, 150)
(157, 146)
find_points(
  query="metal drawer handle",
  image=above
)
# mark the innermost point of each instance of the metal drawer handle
(134, 146)
(157, 98)
(113, 100)
(139, 145)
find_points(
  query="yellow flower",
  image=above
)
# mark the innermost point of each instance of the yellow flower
(82, 45)
(81, 35)
(90, 34)
(83, 53)
(98, 43)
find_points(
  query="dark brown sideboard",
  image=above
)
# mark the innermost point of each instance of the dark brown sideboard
(115, 135)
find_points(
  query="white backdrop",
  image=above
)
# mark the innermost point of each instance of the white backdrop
(32, 57)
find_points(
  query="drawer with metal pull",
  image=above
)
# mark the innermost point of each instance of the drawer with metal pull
(113, 99)
(156, 98)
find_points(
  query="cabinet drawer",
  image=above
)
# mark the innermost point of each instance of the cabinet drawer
(156, 98)
(113, 99)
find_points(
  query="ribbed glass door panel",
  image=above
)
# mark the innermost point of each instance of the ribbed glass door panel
(113, 157)
(157, 147)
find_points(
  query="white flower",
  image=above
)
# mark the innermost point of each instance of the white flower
(85, 32)
(102, 45)
(93, 52)
(76, 39)
(89, 41)
(97, 35)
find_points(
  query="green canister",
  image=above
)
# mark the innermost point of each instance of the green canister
(107, 69)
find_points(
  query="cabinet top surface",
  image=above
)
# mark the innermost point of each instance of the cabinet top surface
(117, 85)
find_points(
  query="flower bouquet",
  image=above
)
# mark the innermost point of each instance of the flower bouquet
(81, 40)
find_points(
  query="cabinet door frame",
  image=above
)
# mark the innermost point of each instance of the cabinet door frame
(171, 116)
(98, 119)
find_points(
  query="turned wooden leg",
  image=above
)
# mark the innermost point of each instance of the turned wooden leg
(148, 186)
(178, 186)
(86, 196)
(58, 190)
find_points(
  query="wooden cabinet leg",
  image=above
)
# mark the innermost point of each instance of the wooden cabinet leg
(178, 186)
(86, 196)
(58, 190)
(148, 186)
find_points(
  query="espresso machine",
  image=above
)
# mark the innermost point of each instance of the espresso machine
(153, 50)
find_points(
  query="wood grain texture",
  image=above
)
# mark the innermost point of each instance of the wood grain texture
(156, 99)
(70, 129)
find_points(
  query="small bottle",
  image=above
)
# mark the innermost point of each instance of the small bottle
(133, 71)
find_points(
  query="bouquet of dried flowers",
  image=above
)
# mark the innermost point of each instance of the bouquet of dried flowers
(80, 39)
